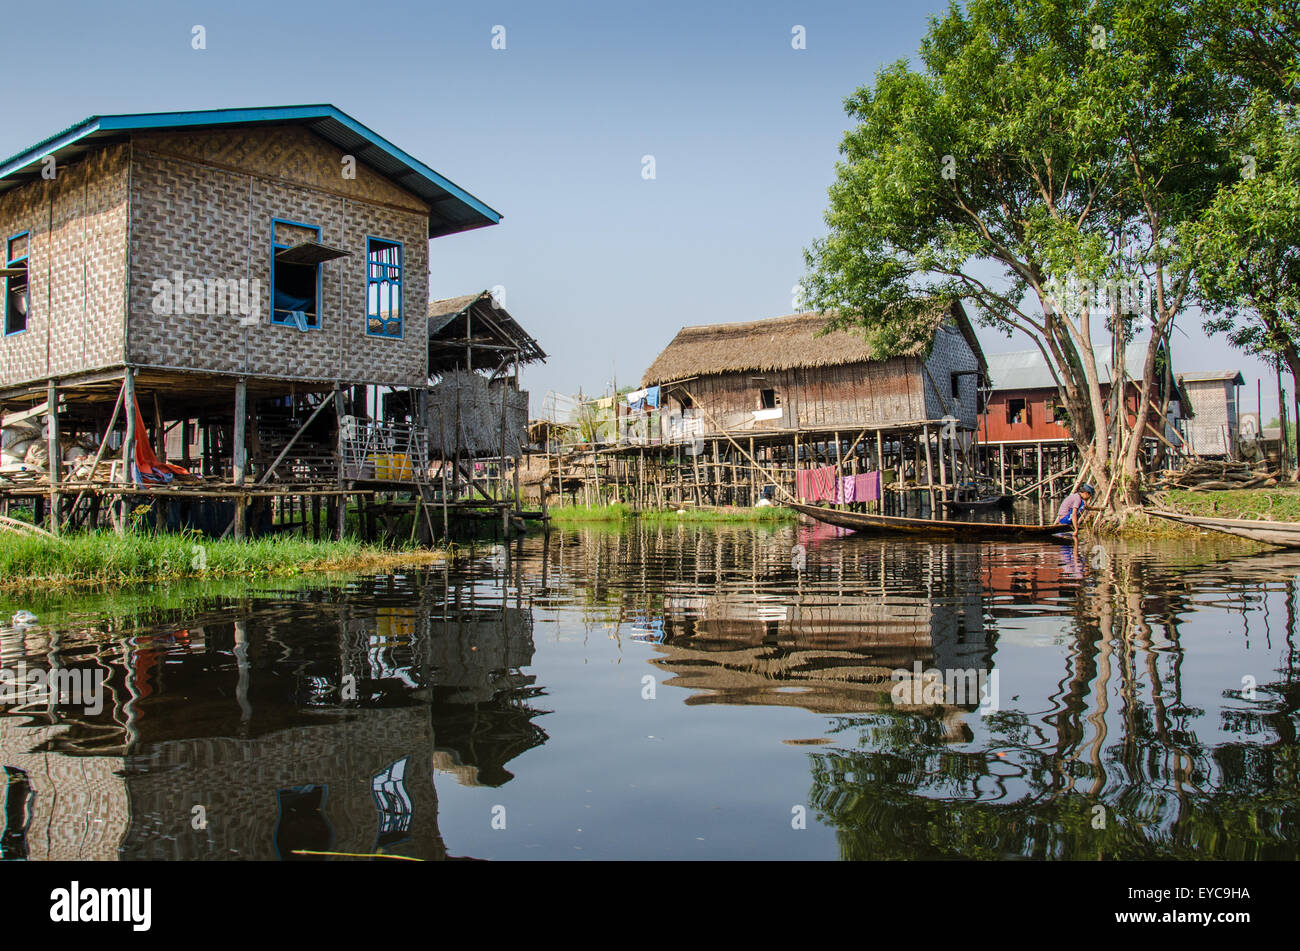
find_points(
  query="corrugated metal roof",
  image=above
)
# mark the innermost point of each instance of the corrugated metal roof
(1210, 376)
(452, 209)
(1026, 369)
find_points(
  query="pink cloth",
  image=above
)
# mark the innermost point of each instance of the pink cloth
(868, 487)
(817, 485)
(846, 490)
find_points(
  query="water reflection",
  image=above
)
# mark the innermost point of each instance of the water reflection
(1145, 705)
(267, 727)
(1149, 697)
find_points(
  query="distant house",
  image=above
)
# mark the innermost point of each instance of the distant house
(1214, 396)
(783, 375)
(476, 349)
(1024, 406)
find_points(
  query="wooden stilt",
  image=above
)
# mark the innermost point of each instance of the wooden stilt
(238, 463)
(128, 445)
(56, 456)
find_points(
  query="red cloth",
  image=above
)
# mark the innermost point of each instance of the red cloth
(145, 460)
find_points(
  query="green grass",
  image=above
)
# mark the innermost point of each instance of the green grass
(106, 558)
(619, 512)
(1280, 504)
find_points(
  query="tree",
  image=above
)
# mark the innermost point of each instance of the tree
(1249, 272)
(1044, 150)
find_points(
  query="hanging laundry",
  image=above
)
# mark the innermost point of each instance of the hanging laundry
(868, 486)
(652, 397)
(846, 490)
(804, 485)
(146, 467)
(636, 399)
(818, 485)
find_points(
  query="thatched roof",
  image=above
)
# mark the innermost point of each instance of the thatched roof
(497, 338)
(784, 343)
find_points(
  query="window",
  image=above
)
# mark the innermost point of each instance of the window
(1017, 412)
(1059, 414)
(15, 284)
(295, 288)
(383, 288)
(767, 399)
(956, 385)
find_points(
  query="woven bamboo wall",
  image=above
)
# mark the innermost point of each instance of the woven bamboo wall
(76, 269)
(81, 810)
(468, 398)
(204, 203)
(858, 394)
(951, 354)
(237, 781)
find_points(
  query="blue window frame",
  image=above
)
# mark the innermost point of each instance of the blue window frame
(295, 288)
(383, 288)
(16, 298)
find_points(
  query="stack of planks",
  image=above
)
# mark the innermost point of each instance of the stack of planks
(1208, 475)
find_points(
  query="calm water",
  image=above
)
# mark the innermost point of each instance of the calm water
(674, 693)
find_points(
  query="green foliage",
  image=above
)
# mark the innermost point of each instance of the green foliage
(105, 557)
(1281, 504)
(1039, 145)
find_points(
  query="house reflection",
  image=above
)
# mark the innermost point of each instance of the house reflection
(827, 653)
(274, 727)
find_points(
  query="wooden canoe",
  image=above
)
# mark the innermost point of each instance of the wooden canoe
(1286, 534)
(862, 522)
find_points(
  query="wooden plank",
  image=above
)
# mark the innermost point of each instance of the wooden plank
(40, 409)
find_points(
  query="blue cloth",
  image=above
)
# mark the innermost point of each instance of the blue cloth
(644, 399)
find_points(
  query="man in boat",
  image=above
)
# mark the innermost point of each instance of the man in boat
(1071, 511)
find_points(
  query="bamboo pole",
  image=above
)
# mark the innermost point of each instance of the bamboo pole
(739, 448)
(103, 445)
(241, 421)
(55, 454)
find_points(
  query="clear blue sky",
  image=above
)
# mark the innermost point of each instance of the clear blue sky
(601, 265)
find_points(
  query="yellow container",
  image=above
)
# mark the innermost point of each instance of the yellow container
(393, 465)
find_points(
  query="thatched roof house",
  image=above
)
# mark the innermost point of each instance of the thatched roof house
(475, 332)
(786, 373)
(786, 343)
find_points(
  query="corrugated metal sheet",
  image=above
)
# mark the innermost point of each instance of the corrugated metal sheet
(452, 209)
(1209, 376)
(1026, 369)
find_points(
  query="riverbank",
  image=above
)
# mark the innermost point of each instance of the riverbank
(1280, 503)
(618, 512)
(105, 558)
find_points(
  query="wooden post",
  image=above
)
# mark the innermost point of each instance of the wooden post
(795, 488)
(237, 463)
(1040, 469)
(52, 446)
(128, 444)
(341, 507)
(943, 468)
(880, 468)
(929, 467)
